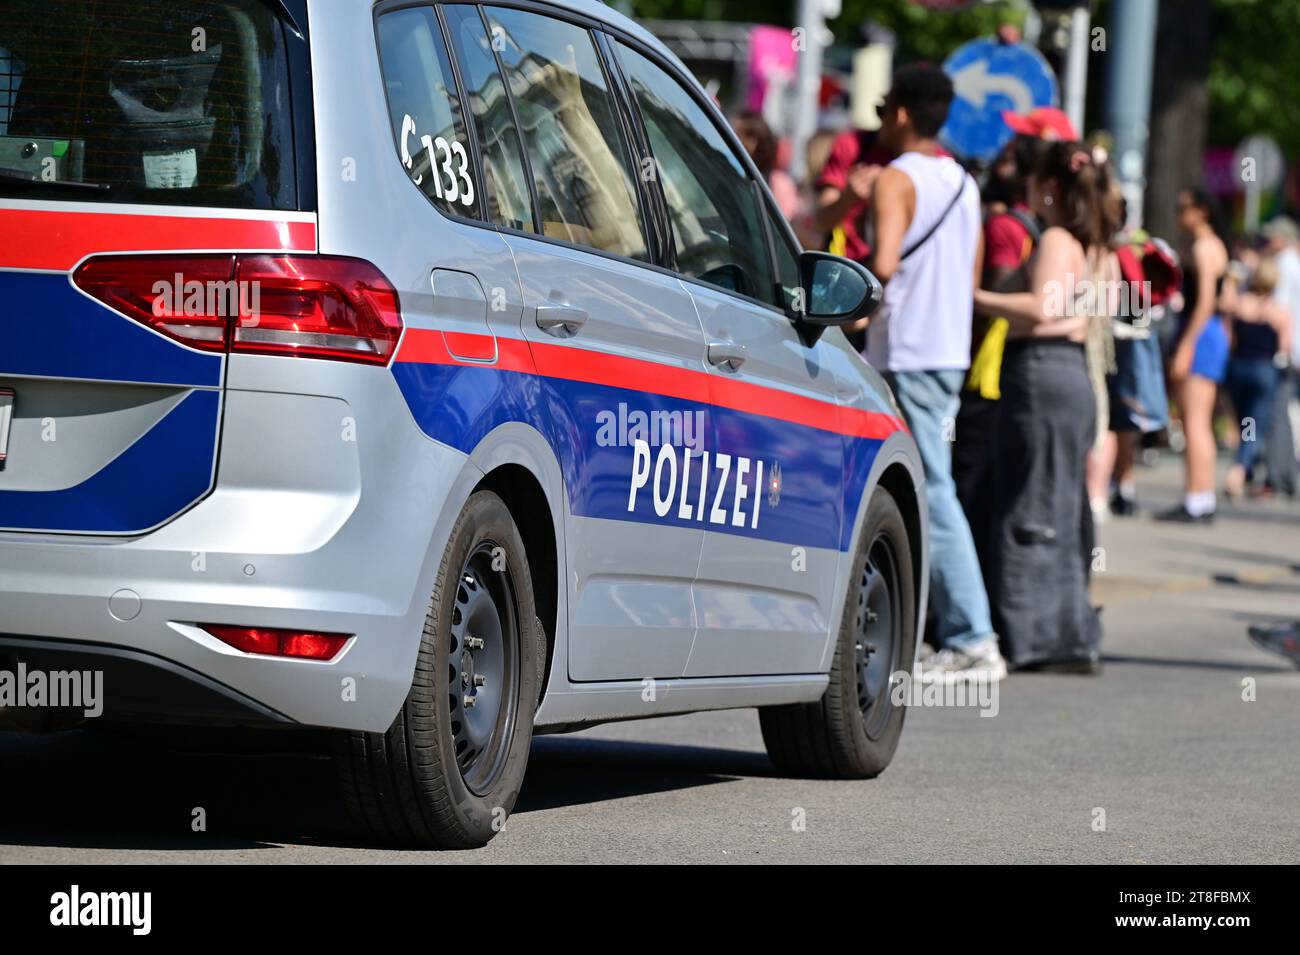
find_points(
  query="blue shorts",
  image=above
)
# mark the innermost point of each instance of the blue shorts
(1210, 359)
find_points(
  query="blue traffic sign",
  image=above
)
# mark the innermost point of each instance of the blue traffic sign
(989, 77)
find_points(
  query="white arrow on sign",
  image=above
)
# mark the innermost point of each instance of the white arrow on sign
(974, 83)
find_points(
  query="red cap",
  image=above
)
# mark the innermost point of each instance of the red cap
(1045, 122)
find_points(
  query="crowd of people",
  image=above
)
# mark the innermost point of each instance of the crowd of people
(1036, 348)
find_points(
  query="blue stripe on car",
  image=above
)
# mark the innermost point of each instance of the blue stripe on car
(166, 470)
(460, 404)
(49, 328)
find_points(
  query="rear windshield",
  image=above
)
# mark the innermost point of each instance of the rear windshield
(175, 102)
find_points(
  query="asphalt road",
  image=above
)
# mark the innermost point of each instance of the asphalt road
(1185, 770)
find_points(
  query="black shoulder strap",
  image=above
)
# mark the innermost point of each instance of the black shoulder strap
(1029, 222)
(961, 187)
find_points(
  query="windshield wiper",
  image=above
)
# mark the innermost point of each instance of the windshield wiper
(18, 177)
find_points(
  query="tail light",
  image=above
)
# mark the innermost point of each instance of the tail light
(175, 295)
(318, 307)
(314, 306)
(272, 641)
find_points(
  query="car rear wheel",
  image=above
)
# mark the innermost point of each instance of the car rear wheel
(447, 772)
(853, 730)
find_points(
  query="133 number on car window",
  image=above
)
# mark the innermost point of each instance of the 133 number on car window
(459, 187)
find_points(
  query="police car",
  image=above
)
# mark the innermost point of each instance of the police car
(438, 374)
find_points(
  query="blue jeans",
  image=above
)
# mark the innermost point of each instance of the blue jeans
(1252, 383)
(959, 607)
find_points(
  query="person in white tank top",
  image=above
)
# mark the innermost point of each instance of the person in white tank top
(925, 214)
(924, 323)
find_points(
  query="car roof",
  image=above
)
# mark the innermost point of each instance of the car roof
(596, 10)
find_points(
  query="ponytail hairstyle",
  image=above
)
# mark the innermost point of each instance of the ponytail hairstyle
(1088, 208)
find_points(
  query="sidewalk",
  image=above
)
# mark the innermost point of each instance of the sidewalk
(1253, 546)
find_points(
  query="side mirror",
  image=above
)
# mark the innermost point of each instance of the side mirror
(836, 290)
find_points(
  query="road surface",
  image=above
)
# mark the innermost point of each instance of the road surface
(1184, 769)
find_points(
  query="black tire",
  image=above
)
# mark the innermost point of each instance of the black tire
(421, 782)
(853, 730)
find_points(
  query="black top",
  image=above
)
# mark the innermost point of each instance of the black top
(1254, 340)
(1192, 288)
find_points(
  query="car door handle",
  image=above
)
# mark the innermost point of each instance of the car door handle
(728, 355)
(559, 319)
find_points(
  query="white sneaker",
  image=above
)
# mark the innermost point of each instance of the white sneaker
(982, 661)
(1100, 510)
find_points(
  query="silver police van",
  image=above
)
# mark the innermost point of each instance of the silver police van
(436, 373)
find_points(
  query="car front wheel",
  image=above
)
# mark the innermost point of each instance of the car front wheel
(853, 730)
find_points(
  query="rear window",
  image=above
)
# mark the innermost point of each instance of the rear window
(175, 102)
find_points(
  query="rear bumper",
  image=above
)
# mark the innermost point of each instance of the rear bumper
(144, 687)
(286, 539)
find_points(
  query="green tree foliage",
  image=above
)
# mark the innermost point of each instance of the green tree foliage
(760, 11)
(923, 34)
(1254, 84)
(1255, 72)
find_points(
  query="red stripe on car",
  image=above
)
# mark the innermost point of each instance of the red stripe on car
(57, 239)
(426, 346)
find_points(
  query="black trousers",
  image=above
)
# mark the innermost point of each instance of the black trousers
(1038, 568)
(973, 470)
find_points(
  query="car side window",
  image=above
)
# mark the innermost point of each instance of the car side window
(505, 182)
(425, 110)
(787, 264)
(718, 232)
(582, 170)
